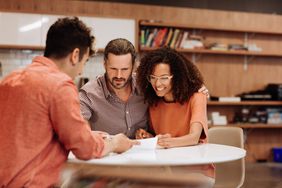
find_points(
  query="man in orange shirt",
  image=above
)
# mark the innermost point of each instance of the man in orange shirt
(40, 114)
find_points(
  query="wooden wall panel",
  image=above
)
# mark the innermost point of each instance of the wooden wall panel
(227, 76)
(259, 143)
(224, 19)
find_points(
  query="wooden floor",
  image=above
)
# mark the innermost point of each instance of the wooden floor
(263, 175)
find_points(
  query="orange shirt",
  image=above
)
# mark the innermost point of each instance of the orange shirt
(40, 122)
(176, 119)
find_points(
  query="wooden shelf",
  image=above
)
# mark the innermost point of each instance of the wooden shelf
(22, 47)
(220, 52)
(251, 125)
(242, 103)
(153, 23)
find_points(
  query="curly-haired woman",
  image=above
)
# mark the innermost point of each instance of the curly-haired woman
(170, 84)
(177, 106)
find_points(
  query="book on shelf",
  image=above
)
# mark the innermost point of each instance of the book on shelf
(218, 46)
(184, 38)
(237, 47)
(151, 37)
(158, 40)
(147, 33)
(142, 38)
(174, 38)
(165, 37)
(193, 41)
(179, 38)
(168, 39)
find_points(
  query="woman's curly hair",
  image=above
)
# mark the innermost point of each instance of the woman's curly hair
(186, 79)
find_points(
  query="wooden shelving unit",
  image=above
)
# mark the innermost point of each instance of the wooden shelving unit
(209, 32)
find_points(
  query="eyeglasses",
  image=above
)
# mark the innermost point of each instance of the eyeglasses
(163, 79)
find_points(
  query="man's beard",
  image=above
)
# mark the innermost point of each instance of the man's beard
(119, 86)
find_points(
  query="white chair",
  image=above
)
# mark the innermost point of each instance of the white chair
(229, 174)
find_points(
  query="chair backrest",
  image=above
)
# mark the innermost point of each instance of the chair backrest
(229, 174)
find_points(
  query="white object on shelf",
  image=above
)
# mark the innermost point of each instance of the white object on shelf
(217, 119)
(229, 99)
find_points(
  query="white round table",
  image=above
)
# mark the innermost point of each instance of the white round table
(175, 167)
(191, 155)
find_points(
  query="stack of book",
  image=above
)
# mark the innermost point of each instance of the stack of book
(237, 47)
(218, 46)
(172, 37)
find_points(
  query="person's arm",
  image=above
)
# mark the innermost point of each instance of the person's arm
(166, 141)
(73, 131)
(118, 144)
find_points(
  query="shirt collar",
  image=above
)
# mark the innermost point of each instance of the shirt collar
(48, 63)
(45, 61)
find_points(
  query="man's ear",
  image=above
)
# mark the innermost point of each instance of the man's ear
(75, 56)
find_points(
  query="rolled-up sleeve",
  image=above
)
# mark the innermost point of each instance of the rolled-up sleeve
(69, 125)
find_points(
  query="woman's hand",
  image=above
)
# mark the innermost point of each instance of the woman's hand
(141, 133)
(204, 90)
(166, 141)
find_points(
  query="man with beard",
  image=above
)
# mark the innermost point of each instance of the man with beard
(112, 103)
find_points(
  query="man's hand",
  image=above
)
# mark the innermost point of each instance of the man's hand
(204, 90)
(141, 133)
(117, 143)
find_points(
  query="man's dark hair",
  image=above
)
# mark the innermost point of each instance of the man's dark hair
(65, 35)
(120, 46)
(186, 79)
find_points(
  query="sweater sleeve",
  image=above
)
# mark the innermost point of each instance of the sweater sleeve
(70, 127)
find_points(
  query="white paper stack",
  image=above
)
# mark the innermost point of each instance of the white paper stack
(217, 119)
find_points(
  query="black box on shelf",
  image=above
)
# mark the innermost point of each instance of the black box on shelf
(275, 90)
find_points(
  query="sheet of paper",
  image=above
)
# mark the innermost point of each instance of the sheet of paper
(148, 143)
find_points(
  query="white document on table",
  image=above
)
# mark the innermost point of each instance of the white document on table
(147, 143)
(144, 152)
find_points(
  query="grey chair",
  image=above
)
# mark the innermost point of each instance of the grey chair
(229, 174)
